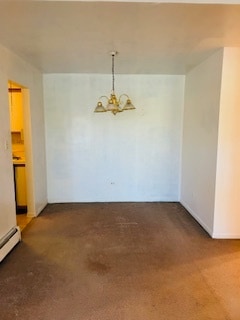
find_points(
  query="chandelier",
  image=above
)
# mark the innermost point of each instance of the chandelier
(113, 103)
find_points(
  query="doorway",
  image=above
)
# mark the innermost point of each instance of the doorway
(20, 148)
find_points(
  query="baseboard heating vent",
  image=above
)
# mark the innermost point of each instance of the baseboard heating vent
(8, 242)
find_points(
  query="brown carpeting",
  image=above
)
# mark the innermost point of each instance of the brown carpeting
(120, 261)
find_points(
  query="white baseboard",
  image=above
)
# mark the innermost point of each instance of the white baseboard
(38, 211)
(196, 217)
(40, 208)
(213, 234)
(225, 236)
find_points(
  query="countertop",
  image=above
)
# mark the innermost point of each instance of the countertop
(19, 161)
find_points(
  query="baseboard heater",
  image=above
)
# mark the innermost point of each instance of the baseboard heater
(8, 242)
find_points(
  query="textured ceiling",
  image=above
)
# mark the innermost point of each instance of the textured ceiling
(156, 38)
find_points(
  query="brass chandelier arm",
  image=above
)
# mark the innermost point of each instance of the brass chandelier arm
(122, 95)
(103, 97)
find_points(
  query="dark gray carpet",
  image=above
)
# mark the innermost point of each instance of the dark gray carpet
(120, 261)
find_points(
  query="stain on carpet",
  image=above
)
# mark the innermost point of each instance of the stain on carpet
(97, 266)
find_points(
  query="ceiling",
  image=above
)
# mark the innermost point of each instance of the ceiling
(151, 38)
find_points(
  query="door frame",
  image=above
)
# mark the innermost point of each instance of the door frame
(31, 212)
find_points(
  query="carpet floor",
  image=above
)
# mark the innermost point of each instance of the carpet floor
(120, 261)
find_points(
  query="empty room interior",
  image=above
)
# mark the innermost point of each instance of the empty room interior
(119, 160)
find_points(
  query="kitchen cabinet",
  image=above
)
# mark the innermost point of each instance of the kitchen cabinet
(16, 109)
(20, 187)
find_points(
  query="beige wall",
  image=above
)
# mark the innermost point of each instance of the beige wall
(14, 68)
(200, 136)
(210, 184)
(227, 202)
(133, 156)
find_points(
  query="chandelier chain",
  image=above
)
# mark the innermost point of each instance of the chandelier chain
(113, 77)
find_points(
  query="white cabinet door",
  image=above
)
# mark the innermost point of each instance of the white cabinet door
(16, 110)
(21, 190)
